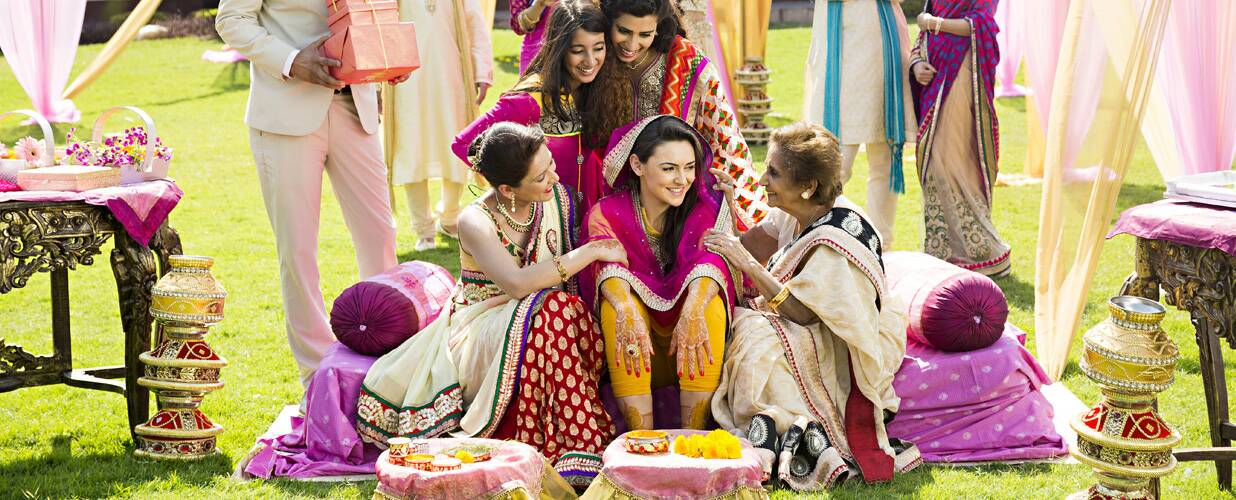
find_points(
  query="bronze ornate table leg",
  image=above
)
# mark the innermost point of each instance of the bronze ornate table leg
(134, 268)
(1202, 282)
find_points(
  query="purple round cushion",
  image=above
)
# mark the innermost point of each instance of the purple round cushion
(949, 308)
(377, 315)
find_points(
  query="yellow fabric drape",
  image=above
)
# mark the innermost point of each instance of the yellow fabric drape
(1091, 134)
(138, 18)
(1035, 142)
(742, 27)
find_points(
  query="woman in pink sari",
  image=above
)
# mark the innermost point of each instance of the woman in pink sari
(546, 96)
(954, 72)
(673, 297)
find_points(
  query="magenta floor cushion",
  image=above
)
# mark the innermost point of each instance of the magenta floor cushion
(950, 308)
(376, 315)
(978, 406)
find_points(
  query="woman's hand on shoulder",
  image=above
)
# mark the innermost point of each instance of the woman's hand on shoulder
(730, 248)
(607, 250)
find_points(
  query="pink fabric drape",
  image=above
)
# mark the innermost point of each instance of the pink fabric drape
(39, 40)
(1196, 76)
(1011, 17)
(1042, 49)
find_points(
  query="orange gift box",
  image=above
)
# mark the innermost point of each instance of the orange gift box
(346, 13)
(373, 53)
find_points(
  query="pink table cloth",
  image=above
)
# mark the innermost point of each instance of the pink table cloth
(976, 406)
(670, 475)
(1192, 224)
(324, 442)
(140, 208)
(512, 465)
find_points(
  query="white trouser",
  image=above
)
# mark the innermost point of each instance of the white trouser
(418, 204)
(881, 201)
(290, 172)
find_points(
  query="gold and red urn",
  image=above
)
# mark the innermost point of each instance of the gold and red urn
(1124, 438)
(182, 368)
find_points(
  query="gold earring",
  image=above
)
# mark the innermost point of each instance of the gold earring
(806, 195)
(512, 204)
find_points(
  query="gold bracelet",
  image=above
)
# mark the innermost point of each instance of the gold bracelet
(780, 297)
(561, 269)
(525, 20)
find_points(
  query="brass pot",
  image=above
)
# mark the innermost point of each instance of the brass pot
(188, 294)
(1129, 351)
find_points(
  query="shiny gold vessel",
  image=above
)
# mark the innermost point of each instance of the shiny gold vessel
(1124, 438)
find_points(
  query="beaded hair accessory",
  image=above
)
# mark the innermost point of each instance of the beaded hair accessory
(474, 160)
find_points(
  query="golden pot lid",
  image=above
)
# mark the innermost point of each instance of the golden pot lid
(1132, 334)
(1136, 310)
(190, 261)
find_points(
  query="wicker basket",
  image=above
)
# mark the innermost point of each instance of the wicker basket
(9, 168)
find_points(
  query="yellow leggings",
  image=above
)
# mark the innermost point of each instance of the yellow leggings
(663, 366)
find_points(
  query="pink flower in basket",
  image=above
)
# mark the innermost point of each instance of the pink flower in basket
(4, 151)
(125, 149)
(32, 150)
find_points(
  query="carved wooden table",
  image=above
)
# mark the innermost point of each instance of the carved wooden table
(56, 237)
(1199, 277)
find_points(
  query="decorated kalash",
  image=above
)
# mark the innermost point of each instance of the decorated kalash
(1124, 438)
(182, 368)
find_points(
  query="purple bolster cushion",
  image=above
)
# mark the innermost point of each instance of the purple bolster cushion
(377, 315)
(950, 308)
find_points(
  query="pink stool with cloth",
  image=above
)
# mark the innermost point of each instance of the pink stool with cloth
(669, 475)
(515, 470)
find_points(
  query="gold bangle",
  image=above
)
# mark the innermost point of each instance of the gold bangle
(525, 21)
(561, 269)
(780, 297)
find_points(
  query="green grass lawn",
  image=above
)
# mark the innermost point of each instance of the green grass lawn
(63, 442)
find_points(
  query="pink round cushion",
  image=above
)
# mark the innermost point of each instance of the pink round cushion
(377, 315)
(950, 308)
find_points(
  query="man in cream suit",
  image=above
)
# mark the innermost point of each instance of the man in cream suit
(302, 122)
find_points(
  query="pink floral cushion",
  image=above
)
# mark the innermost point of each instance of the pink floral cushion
(950, 308)
(377, 315)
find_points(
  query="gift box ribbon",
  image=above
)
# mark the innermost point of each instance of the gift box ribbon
(373, 11)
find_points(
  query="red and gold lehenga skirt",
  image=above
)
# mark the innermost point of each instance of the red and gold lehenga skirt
(527, 369)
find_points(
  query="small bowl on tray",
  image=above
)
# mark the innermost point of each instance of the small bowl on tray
(646, 442)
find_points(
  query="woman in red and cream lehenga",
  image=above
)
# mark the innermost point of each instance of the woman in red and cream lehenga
(516, 355)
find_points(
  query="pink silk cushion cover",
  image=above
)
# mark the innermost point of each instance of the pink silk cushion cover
(950, 308)
(380, 313)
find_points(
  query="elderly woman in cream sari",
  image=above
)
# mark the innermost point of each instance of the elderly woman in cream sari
(809, 370)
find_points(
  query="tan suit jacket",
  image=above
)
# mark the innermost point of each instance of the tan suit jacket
(268, 32)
